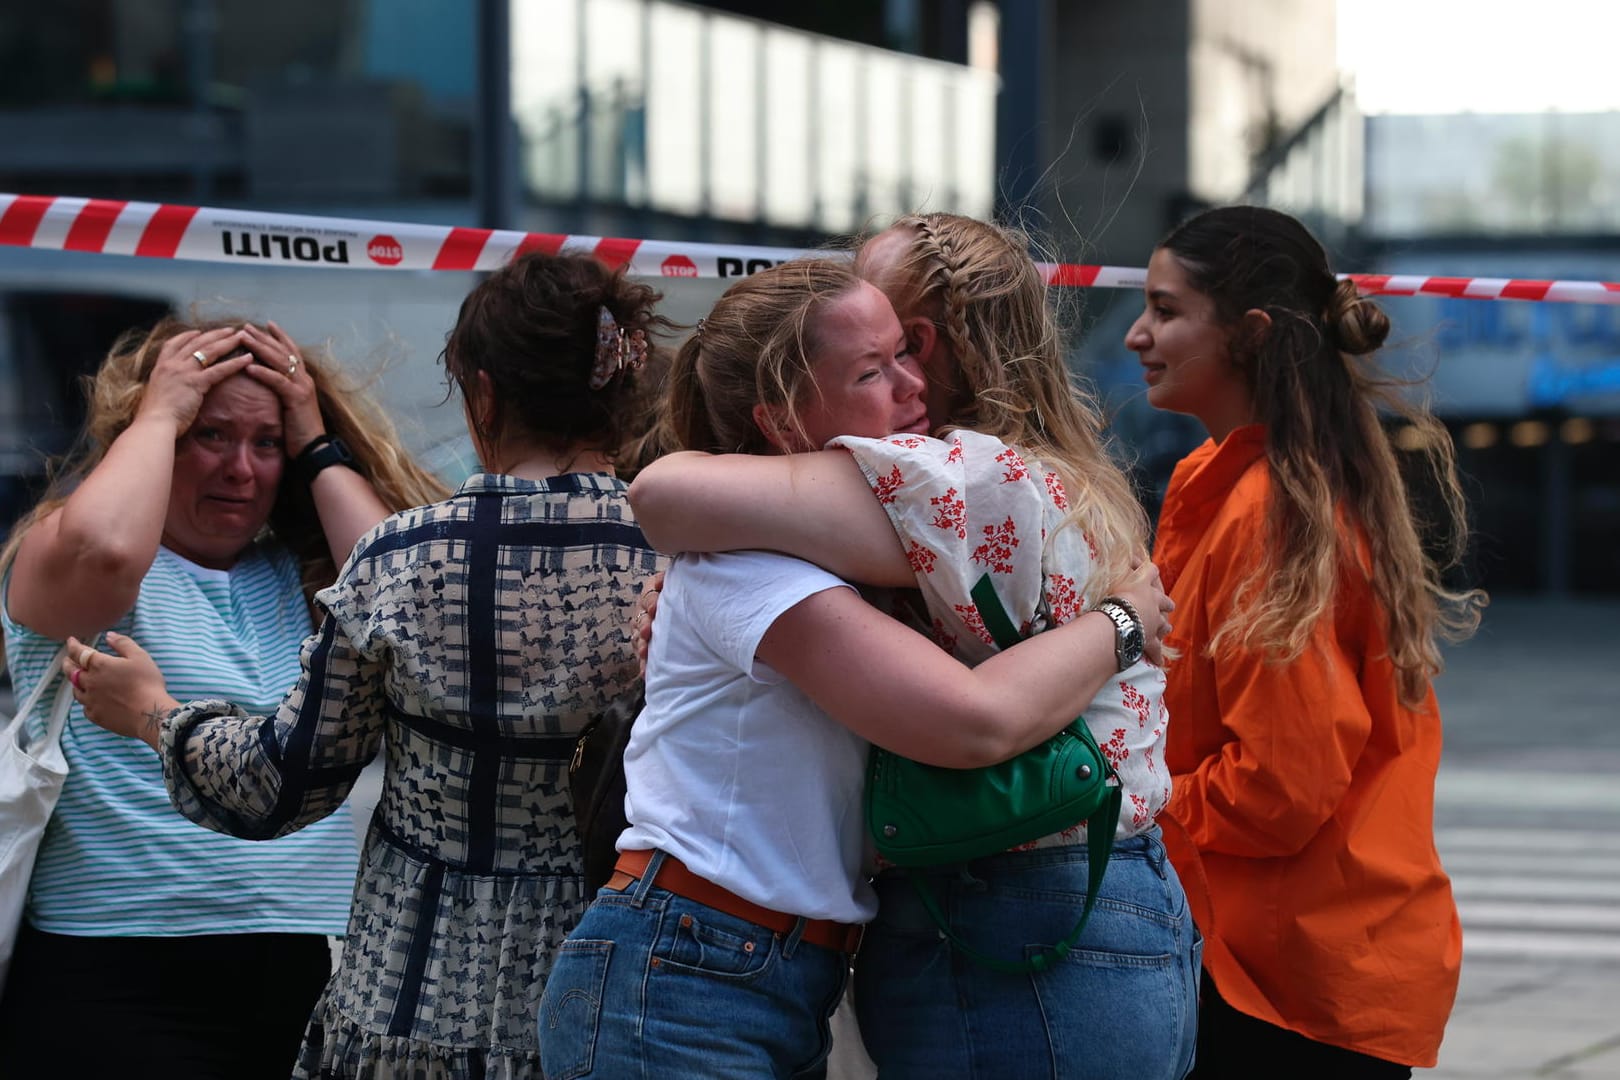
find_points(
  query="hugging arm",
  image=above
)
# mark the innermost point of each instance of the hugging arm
(899, 690)
(816, 506)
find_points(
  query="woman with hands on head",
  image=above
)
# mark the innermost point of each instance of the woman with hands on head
(190, 516)
(473, 638)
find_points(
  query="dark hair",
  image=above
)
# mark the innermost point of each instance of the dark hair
(531, 326)
(1321, 396)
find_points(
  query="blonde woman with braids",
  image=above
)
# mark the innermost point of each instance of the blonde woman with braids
(1019, 488)
(722, 944)
(223, 474)
(1306, 736)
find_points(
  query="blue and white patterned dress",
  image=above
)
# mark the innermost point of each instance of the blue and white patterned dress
(472, 639)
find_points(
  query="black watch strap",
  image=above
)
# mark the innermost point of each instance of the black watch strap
(322, 452)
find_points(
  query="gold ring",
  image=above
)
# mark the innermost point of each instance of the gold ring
(84, 657)
(201, 358)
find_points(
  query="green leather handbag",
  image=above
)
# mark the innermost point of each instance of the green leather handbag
(923, 815)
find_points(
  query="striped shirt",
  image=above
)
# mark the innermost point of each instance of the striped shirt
(116, 859)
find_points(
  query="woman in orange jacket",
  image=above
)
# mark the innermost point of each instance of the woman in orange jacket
(1304, 737)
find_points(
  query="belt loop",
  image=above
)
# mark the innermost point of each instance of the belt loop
(790, 943)
(1157, 856)
(644, 884)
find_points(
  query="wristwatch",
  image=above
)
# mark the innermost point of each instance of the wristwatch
(1129, 640)
(323, 451)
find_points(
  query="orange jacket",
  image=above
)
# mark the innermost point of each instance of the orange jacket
(1305, 791)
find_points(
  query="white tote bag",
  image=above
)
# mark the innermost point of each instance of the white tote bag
(31, 776)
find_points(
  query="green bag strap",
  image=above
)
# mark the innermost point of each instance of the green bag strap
(993, 615)
(1099, 844)
(1099, 829)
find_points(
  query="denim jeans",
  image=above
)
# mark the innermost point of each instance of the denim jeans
(651, 984)
(1122, 1004)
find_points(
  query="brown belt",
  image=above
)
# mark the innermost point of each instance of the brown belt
(675, 877)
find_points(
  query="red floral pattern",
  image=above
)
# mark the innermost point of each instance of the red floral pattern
(1054, 488)
(921, 559)
(957, 505)
(888, 484)
(1135, 699)
(951, 513)
(997, 550)
(1115, 749)
(1139, 810)
(1062, 598)
(971, 619)
(1015, 470)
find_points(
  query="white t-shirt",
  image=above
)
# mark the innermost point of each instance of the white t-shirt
(730, 768)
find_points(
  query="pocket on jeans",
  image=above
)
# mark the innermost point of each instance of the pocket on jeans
(571, 1008)
(710, 943)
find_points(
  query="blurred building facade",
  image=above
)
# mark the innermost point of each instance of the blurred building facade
(1098, 126)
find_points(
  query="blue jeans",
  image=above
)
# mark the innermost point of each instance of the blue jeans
(1122, 1004)
(651, 984)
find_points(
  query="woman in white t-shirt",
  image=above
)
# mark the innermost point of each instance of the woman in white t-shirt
(1021, 489)
(721, 945)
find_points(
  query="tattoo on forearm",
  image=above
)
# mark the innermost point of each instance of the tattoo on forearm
(152, 721)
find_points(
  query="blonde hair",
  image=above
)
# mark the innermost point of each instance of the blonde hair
(977, 284)
(114, 394)
(1334, 474)
(755, 347)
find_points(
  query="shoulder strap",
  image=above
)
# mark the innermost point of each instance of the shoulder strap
(59, 711)
(1099, 845)
(1100, 828)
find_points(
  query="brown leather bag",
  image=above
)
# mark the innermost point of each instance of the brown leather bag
(596, 782)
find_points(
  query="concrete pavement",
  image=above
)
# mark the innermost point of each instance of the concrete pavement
(1528, 824)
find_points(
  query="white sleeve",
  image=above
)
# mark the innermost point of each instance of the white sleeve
(731, 599)
(968, 508)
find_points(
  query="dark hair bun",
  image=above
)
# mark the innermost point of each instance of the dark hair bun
(1358, 325)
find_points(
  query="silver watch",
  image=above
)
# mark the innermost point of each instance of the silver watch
(1129, 638)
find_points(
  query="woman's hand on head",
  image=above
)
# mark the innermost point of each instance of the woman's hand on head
(279, 365)
(188, 366)
(1145, 592)
(124, 693)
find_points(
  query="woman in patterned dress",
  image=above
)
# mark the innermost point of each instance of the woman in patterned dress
(721, 946)
(471, 639)
(1019, 487)
(193, 516)
(1307, 733)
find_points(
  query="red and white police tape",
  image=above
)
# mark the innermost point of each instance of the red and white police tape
(209, 234)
